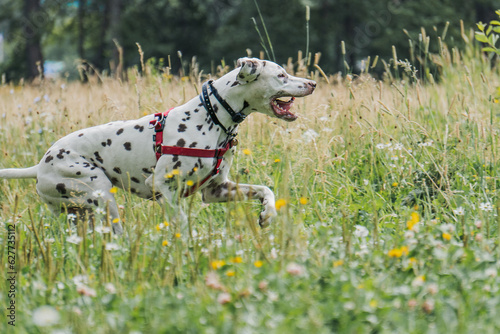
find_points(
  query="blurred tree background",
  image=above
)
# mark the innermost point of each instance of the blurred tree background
(88, 32)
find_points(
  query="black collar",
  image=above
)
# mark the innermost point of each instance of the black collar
(205, 100)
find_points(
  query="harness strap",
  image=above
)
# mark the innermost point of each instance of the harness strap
(159, 124)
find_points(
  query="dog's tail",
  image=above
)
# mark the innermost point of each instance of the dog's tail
(19, 173)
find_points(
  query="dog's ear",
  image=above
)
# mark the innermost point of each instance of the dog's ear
(250, 69)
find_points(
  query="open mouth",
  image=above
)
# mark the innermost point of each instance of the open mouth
(281, 107)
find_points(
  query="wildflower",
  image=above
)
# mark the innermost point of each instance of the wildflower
(373, 303)
(395, 184)
(459, 211)
(338, 263)
(169, 175)
(110, 288)
(116, 220)
(164, 243)
(189, 183)
(428, 306)
(37, 99)
(263, 285)
(177, 235)
(80, 279)
(46, 98)
(415, 218)
(277, 160)
(295, 269)
(486, 207)
(71, 217)
(230, 273)
(303, 200)
(176, 172)
(74, 239)
(413, 260)
(212, 281)
(224, 298)
(99, 211)
(98, 193)
(258, 264)
(310, 135)
(366, 182)
(478, 237)
(398, 146)
(110, 246)
(404, 250)
(237, 259)
(491, 272)
(418, 281)
(45, 316)
(396, 252)
(85, 290)
(113, 190)
(446, 236)
(218, 264)
(433, 288)
(380, 146)
(360, 231)
(280, 203)
(246, 151)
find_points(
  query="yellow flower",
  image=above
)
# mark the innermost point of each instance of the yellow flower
(396, 252)
(413, 260)
(237, 259)
(177, 235)
(176, 172)
(404, 250)
(277, 160)
(373, 303)
(195, 169)
(338, 263)
(280, 203)
(113, 190)
(158, 227)
(169, 175)
(446, 236)
(246, 151)
(415, 218)
(165, 223)
(303, 201)
(395, 184)
(230, 273)
(164, 243)
(116, 220)
(190, 183)
(218, 264)
(258, 263)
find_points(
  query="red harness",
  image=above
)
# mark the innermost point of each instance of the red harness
(159, 123)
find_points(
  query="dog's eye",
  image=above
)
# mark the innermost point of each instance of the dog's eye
(281, 75)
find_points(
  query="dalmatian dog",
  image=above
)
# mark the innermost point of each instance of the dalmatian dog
(170, 155)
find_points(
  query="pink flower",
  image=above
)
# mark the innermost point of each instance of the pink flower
(224, 298)
(212, 281)
(295, 269)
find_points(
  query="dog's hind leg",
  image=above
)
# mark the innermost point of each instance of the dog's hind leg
(231, 191)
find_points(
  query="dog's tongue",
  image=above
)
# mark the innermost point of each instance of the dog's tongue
(282, 109)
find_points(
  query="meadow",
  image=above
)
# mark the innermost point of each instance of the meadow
(387, 198)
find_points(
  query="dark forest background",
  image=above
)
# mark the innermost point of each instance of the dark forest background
(37, 31)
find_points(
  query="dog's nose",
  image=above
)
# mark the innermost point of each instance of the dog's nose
(312, 84)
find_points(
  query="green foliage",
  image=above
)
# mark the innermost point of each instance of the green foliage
(489, 35)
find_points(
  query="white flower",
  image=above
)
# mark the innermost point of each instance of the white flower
(37, 99)
(486, 207)
(12, 91)
(80, 279)
(98, 193)
(102, 229)
(110, 246)
(295, 269)
(380, 146)
(491, 272)
(218, 242)
(110, 288)
(45, 316)
(366, 182)
(85, 290)
(448, 228)
(71, 217)
(360, 231)
(46, 98)
(224, 298)
(74, 239)
(459, 211)
(398, 146)
(99, 211)
(310, 135)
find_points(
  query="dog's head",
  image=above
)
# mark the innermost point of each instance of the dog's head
(265, 87)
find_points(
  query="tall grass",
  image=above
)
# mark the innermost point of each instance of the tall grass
(387, 196)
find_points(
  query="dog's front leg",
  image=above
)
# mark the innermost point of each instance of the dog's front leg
(229, 191)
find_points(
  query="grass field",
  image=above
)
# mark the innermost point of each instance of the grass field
(388, 215)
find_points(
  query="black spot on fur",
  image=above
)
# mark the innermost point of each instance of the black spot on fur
(181, 143)
(92, 178)
(236, 83)
(133, 179)
(133, 191)
(98, 157)
(128, 146)
(89, 200)
(117, 170)
(49, 159)
(61, 188)
(193, 144)
(96, 202)
(139, 127)
(81, 134)
(182, 128)
(86, 165)
(187, 113)
(108, 142)
(207, 147)
(103, 144)
(114, 180)
(147, 170)
(61, 152)
(78, 173)
(175, 158)
(177, 164)
(199, 127)
(119, 132)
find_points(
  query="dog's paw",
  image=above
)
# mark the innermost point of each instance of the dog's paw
(266, 216)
